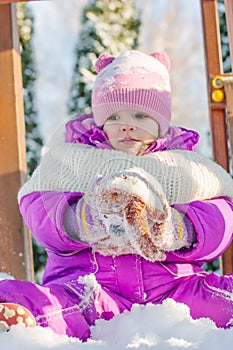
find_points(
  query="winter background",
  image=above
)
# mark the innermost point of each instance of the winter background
(173, 26)
(169, 24)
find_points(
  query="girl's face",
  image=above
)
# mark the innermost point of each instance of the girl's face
(131, 131)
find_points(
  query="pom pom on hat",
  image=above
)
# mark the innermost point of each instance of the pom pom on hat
(133, 81)
(103, 60)
(163, 58)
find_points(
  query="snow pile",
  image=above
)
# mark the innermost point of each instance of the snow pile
(163, 327)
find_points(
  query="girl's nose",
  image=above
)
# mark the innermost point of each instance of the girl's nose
(127, 127)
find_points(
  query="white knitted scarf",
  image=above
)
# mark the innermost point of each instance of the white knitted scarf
(184, 175)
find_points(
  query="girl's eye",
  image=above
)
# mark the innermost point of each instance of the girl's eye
(140, 116)
(113, 117)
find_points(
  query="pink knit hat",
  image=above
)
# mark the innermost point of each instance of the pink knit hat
(133, 81)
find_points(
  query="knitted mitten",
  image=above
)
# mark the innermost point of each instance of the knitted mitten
(150, 224)
(105, 233)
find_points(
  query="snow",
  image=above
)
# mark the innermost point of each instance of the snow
(166, 326)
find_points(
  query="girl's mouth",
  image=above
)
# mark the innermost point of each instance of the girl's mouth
(129, 141)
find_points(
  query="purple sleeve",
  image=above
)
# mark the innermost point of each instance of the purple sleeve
(213, 223)
(43, 213)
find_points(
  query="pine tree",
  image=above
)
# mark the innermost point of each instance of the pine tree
(33, 136)
(107, 25)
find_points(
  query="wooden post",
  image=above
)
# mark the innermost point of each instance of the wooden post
(15, 241)
(213, 67)
(217, 111)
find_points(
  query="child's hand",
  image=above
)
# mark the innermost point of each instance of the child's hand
(138, 201)
(104, 232)
(137, 217)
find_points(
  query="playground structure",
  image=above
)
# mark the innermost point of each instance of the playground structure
(15, 240)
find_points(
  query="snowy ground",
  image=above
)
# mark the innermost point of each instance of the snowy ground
(163, 327)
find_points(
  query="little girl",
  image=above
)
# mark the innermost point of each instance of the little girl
(126, 211)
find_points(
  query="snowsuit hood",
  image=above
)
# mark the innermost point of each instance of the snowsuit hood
(84, 130)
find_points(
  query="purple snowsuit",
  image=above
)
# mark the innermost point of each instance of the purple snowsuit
(69, 306)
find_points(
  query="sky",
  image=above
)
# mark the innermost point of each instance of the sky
(175, 29)
(152, 327)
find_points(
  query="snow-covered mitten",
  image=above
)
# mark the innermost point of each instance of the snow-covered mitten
(150, 224)
(105, 233)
